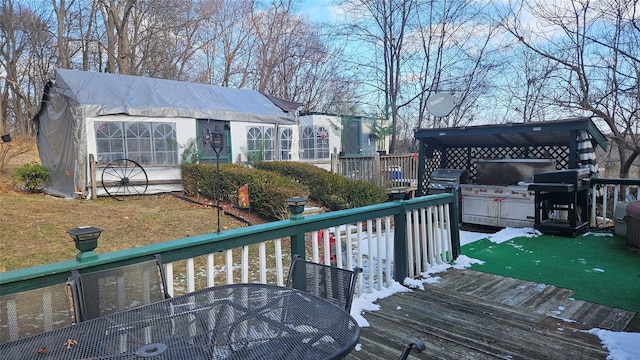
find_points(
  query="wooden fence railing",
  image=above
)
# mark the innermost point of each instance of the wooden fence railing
(606, 195)
(396, 172)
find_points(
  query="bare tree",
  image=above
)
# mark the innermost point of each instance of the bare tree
(456, 39)
(596, 48)
(227, 57)
(525, 77)
(25, 58)
(384, 24)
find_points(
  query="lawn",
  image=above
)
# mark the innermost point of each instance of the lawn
(33, 226)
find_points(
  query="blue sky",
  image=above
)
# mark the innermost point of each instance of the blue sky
(317, 10)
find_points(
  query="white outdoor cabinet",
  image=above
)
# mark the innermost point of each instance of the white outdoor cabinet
(500, 206)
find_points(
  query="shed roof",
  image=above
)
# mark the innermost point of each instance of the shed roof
(99, 94)
(542, 133)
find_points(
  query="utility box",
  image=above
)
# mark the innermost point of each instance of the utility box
(620, 219)
(633, 225)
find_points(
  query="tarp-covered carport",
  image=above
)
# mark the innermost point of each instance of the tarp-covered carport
(75, 100)
(567, 141)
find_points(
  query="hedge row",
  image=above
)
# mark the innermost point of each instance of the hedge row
(332, 191)
(267, 191)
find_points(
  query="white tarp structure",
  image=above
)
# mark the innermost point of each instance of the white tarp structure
(74, 101)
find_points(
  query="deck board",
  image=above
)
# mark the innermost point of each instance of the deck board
(473, 315)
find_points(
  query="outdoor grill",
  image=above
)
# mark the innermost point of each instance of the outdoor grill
(444, 180)
(448, 180)
(561, 201)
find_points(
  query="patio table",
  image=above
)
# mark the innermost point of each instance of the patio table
(239, 321)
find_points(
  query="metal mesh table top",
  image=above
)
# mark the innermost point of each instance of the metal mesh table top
(240, 321)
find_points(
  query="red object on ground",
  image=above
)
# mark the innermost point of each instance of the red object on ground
(332, 241)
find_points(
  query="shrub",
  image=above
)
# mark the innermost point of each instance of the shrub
(32, 175)
(267, 191)
(331, 190)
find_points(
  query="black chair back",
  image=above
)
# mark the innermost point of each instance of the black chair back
(334, 284)
(35, 311)
(108, 291)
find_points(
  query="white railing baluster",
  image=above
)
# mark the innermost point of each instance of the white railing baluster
(349, 241)
(439, 225)
(262, 250)
(389, 242)
(423, 241)
(431, 236)
(315, 256)
(191, 284)
(168, 272)
(370, 258)
(326, 247)
(417, 220)
(359, 259)
(228, 263)
(338, 247)
(279, 269)
(380, 247)
(245, 264)
(211, 270)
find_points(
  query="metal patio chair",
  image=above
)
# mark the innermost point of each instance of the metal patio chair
(415, 345)
(114, 290)
(32, 312)
(334, 284)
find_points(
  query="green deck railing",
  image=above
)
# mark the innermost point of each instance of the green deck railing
(298, 231)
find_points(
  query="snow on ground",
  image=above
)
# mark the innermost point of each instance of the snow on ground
(621, 345)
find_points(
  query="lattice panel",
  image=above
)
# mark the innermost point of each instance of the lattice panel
(560, 153)
(456, 158)
(431, 162)
(462, 158)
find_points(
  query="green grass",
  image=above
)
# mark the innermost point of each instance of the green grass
(601, 269)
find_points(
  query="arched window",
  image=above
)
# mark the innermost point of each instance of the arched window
(147, 143)
(315, 142)
(260, 143)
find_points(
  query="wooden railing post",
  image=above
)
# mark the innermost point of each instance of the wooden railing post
(400, 243)
(454, 212)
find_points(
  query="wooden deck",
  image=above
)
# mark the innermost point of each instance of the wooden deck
(474, 315)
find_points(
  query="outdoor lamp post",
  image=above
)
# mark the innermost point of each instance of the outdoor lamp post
(217, 144)
(296, 207)
(86, 239)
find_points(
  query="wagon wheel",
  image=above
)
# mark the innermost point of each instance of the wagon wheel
(124, 177)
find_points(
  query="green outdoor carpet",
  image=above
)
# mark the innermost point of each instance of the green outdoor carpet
(599, 268)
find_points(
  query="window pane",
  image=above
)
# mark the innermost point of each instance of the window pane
(254, 140)
(139, 142)
(109, 141)
(308, 142)
(286, 140)
(322, 143)
(269, 143)
(165, 144)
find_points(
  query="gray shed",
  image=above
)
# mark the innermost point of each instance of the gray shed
(85, 113)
